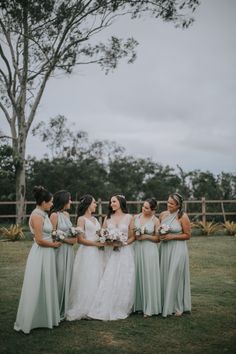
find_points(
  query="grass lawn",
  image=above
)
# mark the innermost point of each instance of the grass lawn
(211, 327)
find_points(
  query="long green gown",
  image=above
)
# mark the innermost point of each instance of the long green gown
(39, 306)
(64, 265)
(147, 273)
(174, 265)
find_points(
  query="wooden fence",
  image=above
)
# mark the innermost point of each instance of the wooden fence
(201, 210)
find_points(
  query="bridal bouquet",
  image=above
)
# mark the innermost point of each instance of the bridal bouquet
(164, 229)
(113, 236)
(101, 238)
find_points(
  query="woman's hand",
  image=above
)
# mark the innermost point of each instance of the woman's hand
(142, 237)
(56, 244)
(167, 237)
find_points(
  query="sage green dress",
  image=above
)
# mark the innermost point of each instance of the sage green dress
(64, 265)
(39, 306)
(147, 272)
(174, 265)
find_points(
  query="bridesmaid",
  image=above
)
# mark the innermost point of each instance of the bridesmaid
(60, 220)
(88, 265)
(175, 278)
(39, 306)
(147, 271)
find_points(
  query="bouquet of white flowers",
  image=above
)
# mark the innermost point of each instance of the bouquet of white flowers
(113, 236)
(75, 231)
(140, 231)
(58, 236)
(164, 229)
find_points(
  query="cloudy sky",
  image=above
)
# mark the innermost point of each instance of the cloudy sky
(175, 104)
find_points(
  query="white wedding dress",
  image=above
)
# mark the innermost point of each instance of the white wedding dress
(87, 273)
(115, 295)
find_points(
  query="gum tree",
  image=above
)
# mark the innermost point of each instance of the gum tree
(41, 37)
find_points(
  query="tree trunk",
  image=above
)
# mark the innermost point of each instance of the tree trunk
(19, 158)
(20, 192)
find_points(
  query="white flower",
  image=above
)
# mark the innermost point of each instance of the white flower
(164, 229)
(76, 231)
(58, 235)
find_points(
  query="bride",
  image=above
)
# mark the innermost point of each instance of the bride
(115, 296)
(88, 265)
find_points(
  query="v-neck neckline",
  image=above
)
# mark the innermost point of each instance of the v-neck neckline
(143, 224)
(94, 223)
(117, 224)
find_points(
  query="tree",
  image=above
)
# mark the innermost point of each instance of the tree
(40, 37)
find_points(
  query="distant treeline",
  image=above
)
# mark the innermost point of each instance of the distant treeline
(103, 168)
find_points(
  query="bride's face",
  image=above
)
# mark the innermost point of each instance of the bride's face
(115, 204)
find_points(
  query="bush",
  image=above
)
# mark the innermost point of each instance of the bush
(13, 233)
(207, 228)
(230, 227)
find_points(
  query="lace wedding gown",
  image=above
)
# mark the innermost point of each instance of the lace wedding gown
(115, 295)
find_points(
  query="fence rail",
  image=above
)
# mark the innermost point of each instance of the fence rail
(197, 209)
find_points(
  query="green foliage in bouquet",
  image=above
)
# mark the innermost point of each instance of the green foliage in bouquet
(230, 227)
(13, 233)
(207, 228)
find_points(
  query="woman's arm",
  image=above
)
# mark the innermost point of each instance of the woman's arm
(131, 237)
(54, 221)
(37, 225)
(81, 239)
(186, 230)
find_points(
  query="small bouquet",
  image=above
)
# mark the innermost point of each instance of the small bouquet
(140, 231)
(164, 229)
(114, 236)
(75, 231)
(58, 236)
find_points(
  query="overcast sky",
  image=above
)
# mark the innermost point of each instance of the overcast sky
(175, 104)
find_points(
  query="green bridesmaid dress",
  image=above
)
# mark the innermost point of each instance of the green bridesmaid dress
(174, 265)
(147, 272)
(39, 306)
(64, 265)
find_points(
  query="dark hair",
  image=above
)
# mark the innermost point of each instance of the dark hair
(84, 203)
(179, 201)
(41, 195)
(123, 205)
(152, 202)
(60, 199)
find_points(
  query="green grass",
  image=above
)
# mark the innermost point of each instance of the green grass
(209, 329)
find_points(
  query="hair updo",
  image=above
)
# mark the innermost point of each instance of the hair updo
(152, 202)
(60, 199)
(41, 195)
(179, 201)
(84, 203)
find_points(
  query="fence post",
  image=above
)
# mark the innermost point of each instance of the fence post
(223, 211)
(204, 210)
(100, 210)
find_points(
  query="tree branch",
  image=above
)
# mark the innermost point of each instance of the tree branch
(8, 38)
(7, 115)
